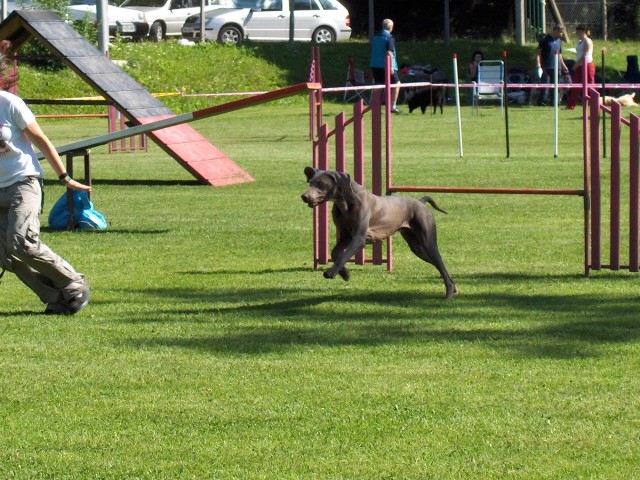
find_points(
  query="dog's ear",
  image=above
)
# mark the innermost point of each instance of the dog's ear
(344, 180)
(339, 178)
(344, 183)
(310, 172)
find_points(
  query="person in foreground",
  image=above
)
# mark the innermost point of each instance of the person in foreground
(383, 45)
(54, 280)
(584, 60)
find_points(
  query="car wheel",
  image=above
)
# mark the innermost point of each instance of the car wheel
(323, 35)
(230, 34)
(156, 32)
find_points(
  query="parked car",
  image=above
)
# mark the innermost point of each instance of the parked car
(21, 5)
(319, 21)
(166, 17)
(127, 22)
(131, 22)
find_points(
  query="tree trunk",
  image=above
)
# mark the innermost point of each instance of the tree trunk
(555, 11)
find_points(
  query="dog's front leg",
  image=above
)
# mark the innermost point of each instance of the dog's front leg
(341, 253)
(337, 253)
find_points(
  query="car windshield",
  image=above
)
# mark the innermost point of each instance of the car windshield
(87, 2)
(238, 3)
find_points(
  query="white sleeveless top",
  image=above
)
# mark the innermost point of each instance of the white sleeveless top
(588, 56)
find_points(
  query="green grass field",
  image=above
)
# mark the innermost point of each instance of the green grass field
(212, 349)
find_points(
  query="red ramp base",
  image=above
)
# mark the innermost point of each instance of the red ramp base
(196, 154)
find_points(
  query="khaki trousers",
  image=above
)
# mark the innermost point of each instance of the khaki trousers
(21, 251)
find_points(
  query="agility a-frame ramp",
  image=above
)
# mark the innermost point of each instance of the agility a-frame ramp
(193, 151)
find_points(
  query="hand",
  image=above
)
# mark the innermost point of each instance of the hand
(74, 185)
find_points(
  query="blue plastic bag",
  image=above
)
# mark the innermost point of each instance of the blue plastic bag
(85, 216)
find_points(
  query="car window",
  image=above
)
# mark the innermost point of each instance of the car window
(328, 4)
(274, 5)
(19, 5)
(144, 3)
(305, 5)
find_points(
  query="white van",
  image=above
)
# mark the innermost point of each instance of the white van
(128, 23)
(166, 17)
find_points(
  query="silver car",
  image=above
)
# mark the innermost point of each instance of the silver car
(319, 21)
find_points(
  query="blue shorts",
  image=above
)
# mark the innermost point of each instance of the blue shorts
(379, 77)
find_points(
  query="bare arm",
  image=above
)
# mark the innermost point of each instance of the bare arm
(563, 67)
(471, 70)
(42, 143)
(390, 55)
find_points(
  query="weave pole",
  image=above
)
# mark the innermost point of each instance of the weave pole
(555, 104)
(593, 138)
(457, 90)
(614, 188)
(634, 157)
(604, 115)
(505, 97)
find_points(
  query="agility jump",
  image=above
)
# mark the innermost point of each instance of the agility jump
(590, 190)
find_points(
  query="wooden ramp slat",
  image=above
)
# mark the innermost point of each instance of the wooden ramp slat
(193, 151)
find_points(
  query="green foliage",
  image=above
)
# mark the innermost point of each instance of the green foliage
(626, 17)
(87, 28)
(57, 6)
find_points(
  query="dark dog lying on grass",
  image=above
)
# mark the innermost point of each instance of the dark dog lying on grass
(423, 97)
(361, 217)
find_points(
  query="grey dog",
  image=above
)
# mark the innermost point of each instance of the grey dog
(361, 217)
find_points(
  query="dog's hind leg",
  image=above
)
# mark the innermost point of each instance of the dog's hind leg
(422, 241)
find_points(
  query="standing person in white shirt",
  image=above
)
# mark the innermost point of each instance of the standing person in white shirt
(53, 279)
(584, 59)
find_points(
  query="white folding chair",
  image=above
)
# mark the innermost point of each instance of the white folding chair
(490, 83)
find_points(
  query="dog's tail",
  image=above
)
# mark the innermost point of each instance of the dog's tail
(428, 199)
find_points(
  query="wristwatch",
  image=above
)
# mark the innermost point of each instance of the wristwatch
(64, 178)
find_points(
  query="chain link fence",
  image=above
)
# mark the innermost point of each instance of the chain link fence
(591, 13)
